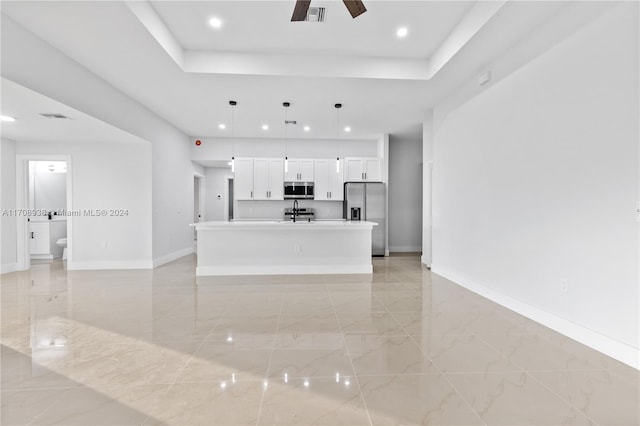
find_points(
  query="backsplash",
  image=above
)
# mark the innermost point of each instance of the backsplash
(275, 209)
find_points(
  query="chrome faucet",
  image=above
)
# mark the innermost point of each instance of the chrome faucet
(295, 209)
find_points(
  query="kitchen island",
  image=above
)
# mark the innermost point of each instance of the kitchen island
(284, 247)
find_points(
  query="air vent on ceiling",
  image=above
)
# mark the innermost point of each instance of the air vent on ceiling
(54, 116)
(315, 14)
(290, 122)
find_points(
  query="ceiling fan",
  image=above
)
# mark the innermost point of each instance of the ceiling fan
(355, 7)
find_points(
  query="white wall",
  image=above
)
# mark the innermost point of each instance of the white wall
(427, 185)
(405, 192)
(224, 148)
(7, 202)
(68, 82)
(214, 185)
(536, 182)
(107, 176)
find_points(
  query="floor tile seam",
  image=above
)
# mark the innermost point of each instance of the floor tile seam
(42, 413)
(56, 388)
(501, 352)
(455, 389)
(270, 360)
(353, 367)
(191, 357)
(505, 355)
(219, 381)
(532, 377)
(322, 376)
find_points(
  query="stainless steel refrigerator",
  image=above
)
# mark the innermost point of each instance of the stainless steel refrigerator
(366, 201)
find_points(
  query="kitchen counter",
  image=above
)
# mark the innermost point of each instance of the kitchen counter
(263, 247)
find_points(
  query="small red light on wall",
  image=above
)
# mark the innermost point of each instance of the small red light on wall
(198, 142)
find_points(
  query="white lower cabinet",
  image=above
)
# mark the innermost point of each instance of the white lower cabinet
(39, 240)
(328, 181)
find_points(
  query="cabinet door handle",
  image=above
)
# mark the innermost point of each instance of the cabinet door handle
(32, 235)
(251, 194)
(330, 194)
(365, 175)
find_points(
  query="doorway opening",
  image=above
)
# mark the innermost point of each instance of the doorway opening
(228, 189)
(44, 207)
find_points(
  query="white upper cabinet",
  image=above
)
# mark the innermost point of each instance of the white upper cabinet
(243, 179)
(328, 181)
(299, 170)
(363, 170)
(268, 179)
(373, 169)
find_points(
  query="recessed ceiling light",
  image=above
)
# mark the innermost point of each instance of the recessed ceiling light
(265, 127)
(7, 118)
(215, 22)
(307, 128)
(347, 129)
(222, 126)
(402, 32)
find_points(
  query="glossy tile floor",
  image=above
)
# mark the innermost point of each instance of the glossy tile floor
(403, 346)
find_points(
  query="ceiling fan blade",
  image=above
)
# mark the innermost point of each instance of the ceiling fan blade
(300, 11)
(356, 7)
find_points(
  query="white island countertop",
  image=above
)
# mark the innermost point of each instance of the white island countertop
(284, 224)
(262, 247)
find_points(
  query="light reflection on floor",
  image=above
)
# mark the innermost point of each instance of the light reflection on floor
(402, 346)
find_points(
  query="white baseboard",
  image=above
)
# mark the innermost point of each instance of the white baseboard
(600, 342)
(8, 267)
(41, 257)
(283, 270)
(173, 256)
(102, 265)
(405, 249)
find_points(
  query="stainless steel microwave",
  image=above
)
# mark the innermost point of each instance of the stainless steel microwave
(298, 190)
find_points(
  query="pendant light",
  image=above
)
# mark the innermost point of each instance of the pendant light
(233, 130)
(286, 106)
(338, 106)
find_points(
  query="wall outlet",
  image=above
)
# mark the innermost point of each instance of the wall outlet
(564, 286)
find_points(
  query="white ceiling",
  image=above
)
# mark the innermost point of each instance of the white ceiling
(265, 27)
(26, 106)
(165, 56)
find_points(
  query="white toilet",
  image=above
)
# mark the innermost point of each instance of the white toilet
(62, 242)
